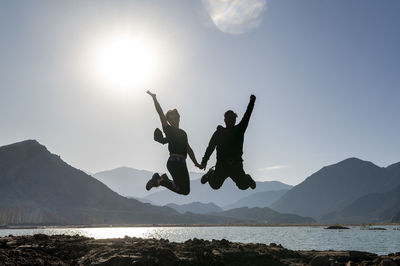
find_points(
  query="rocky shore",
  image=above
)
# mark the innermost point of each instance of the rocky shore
(77, 250)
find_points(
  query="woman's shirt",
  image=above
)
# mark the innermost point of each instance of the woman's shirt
(177, 140)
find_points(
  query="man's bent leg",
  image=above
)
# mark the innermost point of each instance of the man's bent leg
(217, 178)
(242, 180)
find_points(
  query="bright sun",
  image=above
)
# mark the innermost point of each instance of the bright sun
(126, 61)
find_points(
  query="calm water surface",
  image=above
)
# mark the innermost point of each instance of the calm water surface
(296, 238)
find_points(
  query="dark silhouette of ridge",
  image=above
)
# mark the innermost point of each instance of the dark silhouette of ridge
(334, 187)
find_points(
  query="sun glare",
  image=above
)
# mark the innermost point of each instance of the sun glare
(126, 62)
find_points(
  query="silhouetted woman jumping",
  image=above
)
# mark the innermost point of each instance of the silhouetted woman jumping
(178, 147)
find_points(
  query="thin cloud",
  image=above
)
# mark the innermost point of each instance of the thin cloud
(274, 167)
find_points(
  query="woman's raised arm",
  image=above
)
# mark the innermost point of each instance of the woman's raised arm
(158, 109)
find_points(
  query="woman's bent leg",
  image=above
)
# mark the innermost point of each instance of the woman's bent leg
(180, 175)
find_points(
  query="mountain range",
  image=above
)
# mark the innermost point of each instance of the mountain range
(38, 187)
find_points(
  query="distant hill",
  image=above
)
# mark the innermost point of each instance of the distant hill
(265, 215)
(37, 187)
(195, 207)
(126, 181)
(227, 194)
(130, 182)
(336, 186)
(258, 199)
(374, 207)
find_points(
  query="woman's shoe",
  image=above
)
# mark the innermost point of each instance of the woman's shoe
(153, 182)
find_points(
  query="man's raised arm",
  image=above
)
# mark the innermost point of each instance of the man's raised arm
(246, 117)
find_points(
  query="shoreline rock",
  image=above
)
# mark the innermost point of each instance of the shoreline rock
(337, 227)
(78, 250)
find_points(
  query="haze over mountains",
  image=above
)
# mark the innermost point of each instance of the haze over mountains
(128, 182)
(131, 182)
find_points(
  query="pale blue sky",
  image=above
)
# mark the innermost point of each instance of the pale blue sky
(325, 73)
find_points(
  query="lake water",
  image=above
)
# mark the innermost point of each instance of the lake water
(292, 237)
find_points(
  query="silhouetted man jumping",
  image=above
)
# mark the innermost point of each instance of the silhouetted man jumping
(229, 143)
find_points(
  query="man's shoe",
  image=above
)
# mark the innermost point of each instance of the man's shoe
(252, 183)
(153, 182)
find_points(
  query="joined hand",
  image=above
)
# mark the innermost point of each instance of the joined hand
(199, 166)
(203, 166)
